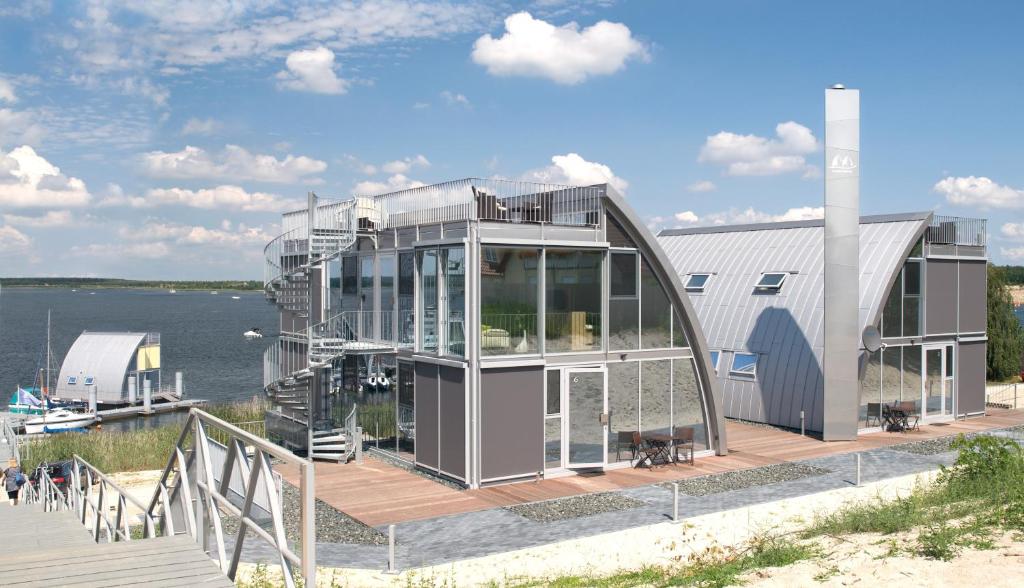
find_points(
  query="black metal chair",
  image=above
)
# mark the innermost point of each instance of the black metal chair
(682, 437)
(624, 439)
(874, 413)
(644, 451)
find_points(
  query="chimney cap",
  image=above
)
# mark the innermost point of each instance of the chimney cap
(838, 87)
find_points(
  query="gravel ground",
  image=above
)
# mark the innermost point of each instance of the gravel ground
(574, 507)
(928, 446)
(738, 480)
(332, 525)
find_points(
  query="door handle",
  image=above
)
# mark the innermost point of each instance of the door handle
(603, 418)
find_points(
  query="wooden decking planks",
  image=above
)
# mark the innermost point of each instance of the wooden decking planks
(378, 493)
(54, 549)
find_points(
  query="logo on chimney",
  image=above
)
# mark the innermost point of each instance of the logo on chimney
(842, 164)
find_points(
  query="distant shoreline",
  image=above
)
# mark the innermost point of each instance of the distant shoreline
(112, 284)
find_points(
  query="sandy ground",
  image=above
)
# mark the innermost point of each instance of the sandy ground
(140, 485)
(868, 560)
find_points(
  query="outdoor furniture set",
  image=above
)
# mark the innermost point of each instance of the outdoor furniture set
(660, 448)
(898, 416)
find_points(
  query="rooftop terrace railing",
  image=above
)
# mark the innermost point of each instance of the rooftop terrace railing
(954, 230)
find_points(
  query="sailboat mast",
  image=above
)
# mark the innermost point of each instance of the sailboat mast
(46, 392)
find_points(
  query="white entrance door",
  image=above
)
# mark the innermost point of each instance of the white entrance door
(937, 395)
(585, 425)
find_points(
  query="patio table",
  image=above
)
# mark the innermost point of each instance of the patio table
(662, 446)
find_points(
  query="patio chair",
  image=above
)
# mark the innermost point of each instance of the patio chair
(874, 413)
(682, 437)
(912, 416)
(644, 451)
(625, 440)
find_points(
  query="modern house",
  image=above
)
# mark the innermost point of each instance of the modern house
(484, 330)
(115, 366)
(758, 291)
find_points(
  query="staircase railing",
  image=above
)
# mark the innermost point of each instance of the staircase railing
(353, 436)
(12, 440)
(94, 495)
(46, 493)
(193, 493)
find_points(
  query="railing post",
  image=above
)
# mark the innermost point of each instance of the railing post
(392, 567)
(308, 490)
(358, 441)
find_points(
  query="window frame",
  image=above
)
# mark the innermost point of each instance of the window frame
(89, 381)
(636, 274)
(733, 372)
(759, 286)
(697, 289)
(716, 359)
(72, 380)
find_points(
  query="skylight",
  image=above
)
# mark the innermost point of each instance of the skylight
(770, 281)
(697, 282)
(72, 380)
(714, 360)
(744, 364)
(89, 380)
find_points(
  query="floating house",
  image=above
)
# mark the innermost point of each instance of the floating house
(485, 330)
(103, 362)
(759, 293)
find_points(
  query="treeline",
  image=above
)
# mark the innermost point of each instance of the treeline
(1005, 334)
(119, 283)
(1012, 274)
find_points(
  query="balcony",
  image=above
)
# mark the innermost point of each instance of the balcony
(365, 331)
(958, 231)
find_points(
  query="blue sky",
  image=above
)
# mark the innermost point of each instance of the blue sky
(163, 141)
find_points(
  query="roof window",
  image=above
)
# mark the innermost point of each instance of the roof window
(697, 282)
(770, 282)
(744, 364)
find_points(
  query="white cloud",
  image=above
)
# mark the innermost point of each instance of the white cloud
(394, 183)
(7, 92)
(29, 180)
(736, 216)
(226, 197)
(52, 219)
(455, 99)
(573, 170)
(239, 237)
(1013, 231)
(234, 163)
(702, 186)
(312, 70)
(13, 241)
(197, 126)
(405, 165)
(687, 217)
(1012, 253)
(979, 191)
(565, 54)
(150, 250)
(19, 127)
(115, 197)
(751, 155)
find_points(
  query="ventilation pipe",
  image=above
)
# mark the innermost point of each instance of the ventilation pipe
(842, 271)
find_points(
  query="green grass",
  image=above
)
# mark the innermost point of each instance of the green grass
(129, 451)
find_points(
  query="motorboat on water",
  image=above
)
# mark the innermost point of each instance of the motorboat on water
(24, 402)
(172, 291)
(236, 297)
(253, 333)
(60, 420)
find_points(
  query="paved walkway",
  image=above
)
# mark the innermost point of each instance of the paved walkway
(489, 530)
(54, 549)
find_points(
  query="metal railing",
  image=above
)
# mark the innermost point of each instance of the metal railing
(46, 493)
(1005, 396)
(372, 327)
(353, 436)
(12, 440)
(192, 495)
(94, 495)
(332, 232)
(955, 230)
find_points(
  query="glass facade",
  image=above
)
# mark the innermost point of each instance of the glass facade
(655, 311)
(509, 301)
(572, 314)
(406, 409)
(623, 409)
(624, 305)
(406, 298)
(656, 396)
(453, 260)
(386, 264)
(687, 407)
(901, 316)
(428, 300)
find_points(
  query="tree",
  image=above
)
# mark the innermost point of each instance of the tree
(1005, 336)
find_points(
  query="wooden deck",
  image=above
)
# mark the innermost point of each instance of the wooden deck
(54, 549)
(378, 493)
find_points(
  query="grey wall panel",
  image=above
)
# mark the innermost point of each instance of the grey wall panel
(452, 447)
(426, 403)
(787, 329)
(973, 296)
(940, 296)
(971, 378)
(511, 421)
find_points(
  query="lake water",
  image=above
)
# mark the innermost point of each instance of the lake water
(201, 334)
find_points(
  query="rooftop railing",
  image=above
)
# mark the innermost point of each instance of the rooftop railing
(954, 230)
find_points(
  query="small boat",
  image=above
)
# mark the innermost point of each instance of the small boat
(236, 297)
(172, 291)
(213, 291)
(24, 402)
(58, 421)
(253, 333)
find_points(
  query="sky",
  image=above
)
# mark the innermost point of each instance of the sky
(162, 139)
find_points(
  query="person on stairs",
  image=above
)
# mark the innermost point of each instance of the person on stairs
(13, 480)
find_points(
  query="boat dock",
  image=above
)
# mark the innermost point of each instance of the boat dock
(114, 414)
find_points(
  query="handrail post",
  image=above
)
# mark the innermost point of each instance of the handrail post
(308, 522)
(358, 442)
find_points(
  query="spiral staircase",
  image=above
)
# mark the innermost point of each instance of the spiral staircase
(323, 231)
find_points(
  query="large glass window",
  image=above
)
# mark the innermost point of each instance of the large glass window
(912, 299)
(428, 300)
(454, 263)
(871, 391)
(623, 409)
(624, 306)
(367, 298)
(387, 296)
(349, 282)
(406, 298)
(508, 301)
(892, 374)
(406, 409)
(743, 364)
(912, 377)
(655, 310)
(553, 420)
(656, 397)
(892, 314)
(573, 300)
(687, 408)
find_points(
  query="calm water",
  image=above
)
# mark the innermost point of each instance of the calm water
(201, 334)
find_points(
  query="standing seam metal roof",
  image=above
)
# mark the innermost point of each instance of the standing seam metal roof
(104, 356)
(785, 328)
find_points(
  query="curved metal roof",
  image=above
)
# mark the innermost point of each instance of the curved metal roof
(785, 328)
(105, 357)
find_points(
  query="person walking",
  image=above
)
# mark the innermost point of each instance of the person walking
(13, 479)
